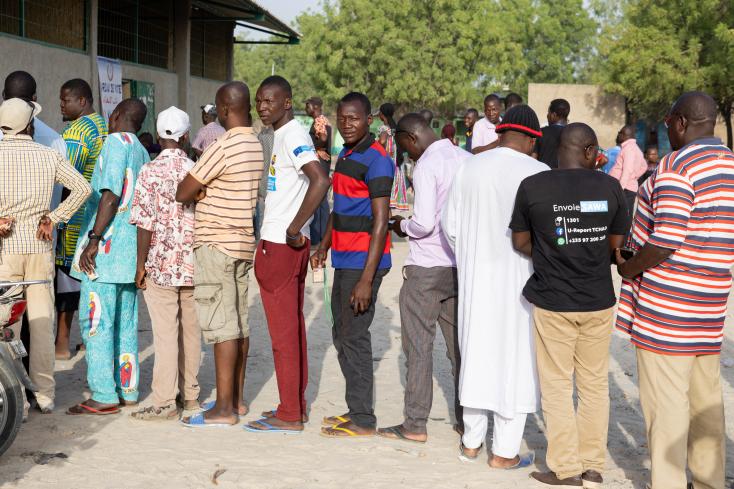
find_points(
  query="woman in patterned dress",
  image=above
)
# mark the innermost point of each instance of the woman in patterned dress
(386, 135)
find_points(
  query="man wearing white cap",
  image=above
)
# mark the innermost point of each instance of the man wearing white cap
(211, 130)
(165, 270)
(28, 172)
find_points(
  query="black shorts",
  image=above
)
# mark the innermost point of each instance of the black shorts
(65, 301)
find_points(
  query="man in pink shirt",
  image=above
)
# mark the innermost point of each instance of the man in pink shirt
(630, 164)
(210, 132)
(429, 293)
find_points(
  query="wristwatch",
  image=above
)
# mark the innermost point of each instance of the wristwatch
(92, 236)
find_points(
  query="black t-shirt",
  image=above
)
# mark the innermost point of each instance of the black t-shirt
(546, 146)
(569, 214)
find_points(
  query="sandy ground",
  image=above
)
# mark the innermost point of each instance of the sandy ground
(116, 451)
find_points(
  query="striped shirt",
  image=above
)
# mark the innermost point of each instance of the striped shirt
(230, 168)
(678, 307)
(28, 172)
(84, 139)
(362, 173)
(207, 135)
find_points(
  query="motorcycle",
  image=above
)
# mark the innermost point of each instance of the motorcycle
(13, 377)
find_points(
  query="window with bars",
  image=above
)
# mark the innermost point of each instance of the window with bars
(59, 22)
(209, 48)
(140, 31)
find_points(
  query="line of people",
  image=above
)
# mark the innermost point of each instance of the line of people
(512, 261)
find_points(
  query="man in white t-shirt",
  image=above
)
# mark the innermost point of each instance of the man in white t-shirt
(296, 186)
(485, 137)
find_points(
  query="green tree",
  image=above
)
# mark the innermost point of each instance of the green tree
(665, 47)
(439, 54)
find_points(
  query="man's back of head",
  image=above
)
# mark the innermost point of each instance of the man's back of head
(512, 99)
(578, 146)
(20, 84)
(560, 108)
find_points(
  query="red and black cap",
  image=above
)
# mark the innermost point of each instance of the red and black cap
(520, 118)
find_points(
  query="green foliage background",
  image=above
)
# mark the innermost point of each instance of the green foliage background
(441, 54)
(447, 54)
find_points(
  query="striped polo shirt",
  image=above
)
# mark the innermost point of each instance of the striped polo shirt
(363, 172)
(678, 307)
(230, 168)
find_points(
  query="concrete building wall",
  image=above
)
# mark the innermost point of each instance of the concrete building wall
(603, 112)
(50, 66)
(166, 83)
(202, 92)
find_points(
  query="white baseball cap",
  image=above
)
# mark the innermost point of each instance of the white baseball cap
(173, 123)
(16, 114)
(209, 109)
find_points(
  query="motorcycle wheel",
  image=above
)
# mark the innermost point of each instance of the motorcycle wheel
(11, 406)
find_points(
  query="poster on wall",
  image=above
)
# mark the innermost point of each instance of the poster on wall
(110, 84)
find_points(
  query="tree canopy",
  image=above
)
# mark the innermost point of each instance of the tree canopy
(662, 48)
(441, 54)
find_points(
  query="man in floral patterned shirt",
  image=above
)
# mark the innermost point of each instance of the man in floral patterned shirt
(165, 270)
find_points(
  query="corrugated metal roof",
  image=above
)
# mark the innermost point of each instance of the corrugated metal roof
(247, 14)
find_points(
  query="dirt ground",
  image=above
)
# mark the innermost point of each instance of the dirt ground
(60, 451)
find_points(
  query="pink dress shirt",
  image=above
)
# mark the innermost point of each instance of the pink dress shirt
(207, 135)
(630, 165)
(434, 172)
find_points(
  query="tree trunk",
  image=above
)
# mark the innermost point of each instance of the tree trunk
(726, 114)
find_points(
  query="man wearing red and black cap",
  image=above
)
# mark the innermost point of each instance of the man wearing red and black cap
(569, 220)
(495, 329)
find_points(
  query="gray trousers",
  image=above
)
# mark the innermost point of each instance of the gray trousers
(428, 296)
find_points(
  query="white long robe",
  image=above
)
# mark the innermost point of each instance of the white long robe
(498, 369)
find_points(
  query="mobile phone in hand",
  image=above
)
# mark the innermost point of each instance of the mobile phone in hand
(626, 253)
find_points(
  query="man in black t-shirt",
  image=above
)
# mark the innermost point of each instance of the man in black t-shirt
(570, 221)
(546, 147)
(320, 133)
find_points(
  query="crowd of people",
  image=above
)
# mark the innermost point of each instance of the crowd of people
(512, 241)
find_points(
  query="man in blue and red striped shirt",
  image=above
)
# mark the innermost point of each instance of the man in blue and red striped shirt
(674, 297)
(360, 253)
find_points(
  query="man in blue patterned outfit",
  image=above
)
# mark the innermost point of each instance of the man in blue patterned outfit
(105, 262)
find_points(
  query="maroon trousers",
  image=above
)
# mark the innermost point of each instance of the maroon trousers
(281, 273)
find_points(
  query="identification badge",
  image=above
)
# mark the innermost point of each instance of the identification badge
(271, 175)
(17, 348)
(271, 184)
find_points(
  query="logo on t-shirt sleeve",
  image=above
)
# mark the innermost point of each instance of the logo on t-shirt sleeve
(303, 148)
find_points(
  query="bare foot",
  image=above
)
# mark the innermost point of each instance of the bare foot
(497, 462)
(271, 414)
(400, 433)
(277, 423)
(242, 409)
(346, 430)
(470, 453)
(217, 415)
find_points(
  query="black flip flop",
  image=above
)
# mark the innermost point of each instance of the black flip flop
(396, 433)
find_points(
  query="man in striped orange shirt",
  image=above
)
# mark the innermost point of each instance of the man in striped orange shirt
(225, 182)
(673, 299)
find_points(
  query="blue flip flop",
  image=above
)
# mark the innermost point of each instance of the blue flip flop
(197, 421)
(269, 428)
(526, 460)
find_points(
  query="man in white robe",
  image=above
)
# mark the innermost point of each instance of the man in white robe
(498, 371)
